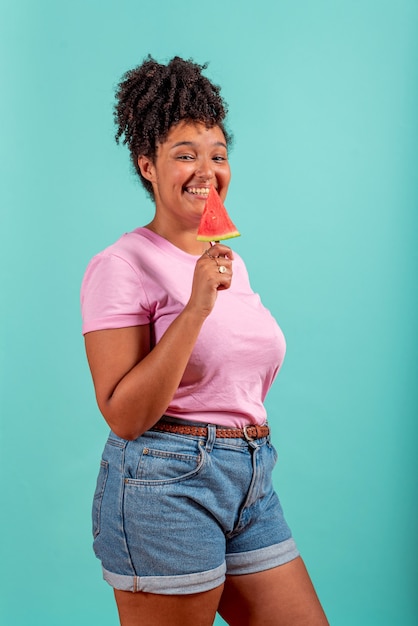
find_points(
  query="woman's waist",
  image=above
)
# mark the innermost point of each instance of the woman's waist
(220, 419)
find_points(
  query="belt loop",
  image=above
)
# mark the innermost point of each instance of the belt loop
(211, 437)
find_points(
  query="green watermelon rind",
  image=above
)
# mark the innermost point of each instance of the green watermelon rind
(215, 237)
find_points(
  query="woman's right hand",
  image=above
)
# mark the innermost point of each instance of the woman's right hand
(209, 278)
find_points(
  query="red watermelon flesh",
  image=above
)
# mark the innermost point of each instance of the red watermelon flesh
(215, 223)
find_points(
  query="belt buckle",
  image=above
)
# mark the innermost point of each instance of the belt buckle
(246, 435)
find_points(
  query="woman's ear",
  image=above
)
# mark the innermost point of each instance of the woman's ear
(147, 168)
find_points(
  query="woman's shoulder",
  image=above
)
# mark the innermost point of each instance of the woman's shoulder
(126, 243)
(131, 247)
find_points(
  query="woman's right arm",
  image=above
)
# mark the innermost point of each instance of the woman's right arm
(134, 385)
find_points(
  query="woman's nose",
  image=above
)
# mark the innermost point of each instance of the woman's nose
(204, 169)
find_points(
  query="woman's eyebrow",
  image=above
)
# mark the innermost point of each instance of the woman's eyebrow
(193, 144)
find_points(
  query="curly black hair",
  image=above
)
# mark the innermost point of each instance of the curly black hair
(152, 97)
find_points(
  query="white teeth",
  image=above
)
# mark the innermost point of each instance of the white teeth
(198, 191)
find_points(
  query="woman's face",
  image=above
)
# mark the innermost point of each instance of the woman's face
(191, 159)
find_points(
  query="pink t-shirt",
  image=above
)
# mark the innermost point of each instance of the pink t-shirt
(144, 279)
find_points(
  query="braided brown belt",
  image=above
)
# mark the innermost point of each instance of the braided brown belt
(248, 432)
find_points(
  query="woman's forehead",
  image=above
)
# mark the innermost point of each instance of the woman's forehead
(194, 132)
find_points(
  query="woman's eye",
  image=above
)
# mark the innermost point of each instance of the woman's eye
(185, 157)
(219, 158)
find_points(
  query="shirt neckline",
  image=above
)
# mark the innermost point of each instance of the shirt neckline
(164, 244)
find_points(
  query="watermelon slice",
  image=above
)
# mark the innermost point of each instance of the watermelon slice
(215, 223)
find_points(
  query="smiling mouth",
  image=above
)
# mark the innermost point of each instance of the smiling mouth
(198, 191)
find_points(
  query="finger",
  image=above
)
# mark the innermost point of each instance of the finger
(219, 249)
(220, 264)
(217, 259)
(224, 276)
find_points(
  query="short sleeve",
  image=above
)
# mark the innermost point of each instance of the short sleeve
(112, 295)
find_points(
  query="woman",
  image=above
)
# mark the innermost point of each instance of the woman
(182, 354)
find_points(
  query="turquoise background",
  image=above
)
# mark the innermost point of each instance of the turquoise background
(323, 99)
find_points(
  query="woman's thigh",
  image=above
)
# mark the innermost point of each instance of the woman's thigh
(149, 609)
(281, 596)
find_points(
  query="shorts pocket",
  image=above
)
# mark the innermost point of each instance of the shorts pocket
(158, 467)
(274, 452)
(98, 496)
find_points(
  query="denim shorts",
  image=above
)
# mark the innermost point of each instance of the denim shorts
(174, 513)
